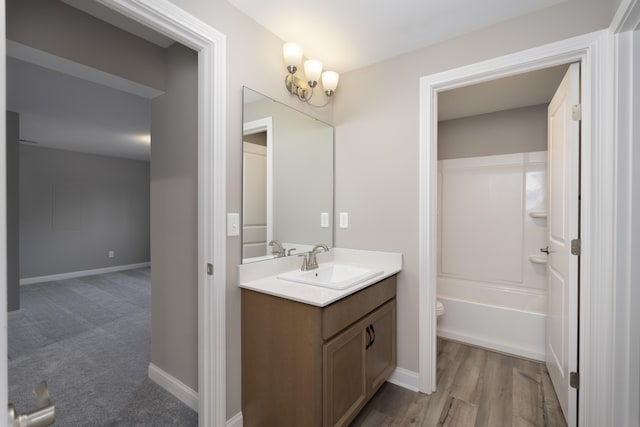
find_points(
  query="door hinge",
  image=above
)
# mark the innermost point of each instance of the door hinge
(574, 380)
(576, 248)
(210, 269)
(576, 112)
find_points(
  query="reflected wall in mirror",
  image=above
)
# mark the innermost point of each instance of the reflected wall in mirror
(287, 180)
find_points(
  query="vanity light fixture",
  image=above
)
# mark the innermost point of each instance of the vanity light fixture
(303, 89)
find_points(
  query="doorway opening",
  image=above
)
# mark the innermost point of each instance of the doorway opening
(210, 46)
(86, 175)
(590, 51)
(493, 222)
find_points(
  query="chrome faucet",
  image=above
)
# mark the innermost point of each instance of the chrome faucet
(278, 249)
(309, 262)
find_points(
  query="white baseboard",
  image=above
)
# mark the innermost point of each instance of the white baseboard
(83, 273)
(180, 390)
(405, 378)
(235, 421)
(15, 314)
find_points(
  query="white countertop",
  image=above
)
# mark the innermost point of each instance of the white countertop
(261, 276)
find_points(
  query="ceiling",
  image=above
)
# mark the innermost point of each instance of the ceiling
(347, 35)
(84, 114)
(70, 106)
(65, 112)
(522, 90)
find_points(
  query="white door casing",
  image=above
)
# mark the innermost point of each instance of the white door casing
(4, 381)
(172, 21)
(626, 341)
(562, 226)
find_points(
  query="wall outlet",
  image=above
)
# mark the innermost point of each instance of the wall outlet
(112, 254)
(344, 219)
(233, 224)
(324, 219)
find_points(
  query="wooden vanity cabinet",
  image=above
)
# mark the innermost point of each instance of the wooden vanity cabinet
(357, 362)
(304, 365)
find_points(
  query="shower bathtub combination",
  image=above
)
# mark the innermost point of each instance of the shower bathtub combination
(492, 277)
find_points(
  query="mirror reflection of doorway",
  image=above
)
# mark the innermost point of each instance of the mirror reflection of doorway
(254, 195)
(296, 212)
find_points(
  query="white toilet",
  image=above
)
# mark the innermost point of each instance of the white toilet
(439, 308)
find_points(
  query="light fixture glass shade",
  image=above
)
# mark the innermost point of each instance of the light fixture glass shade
(292, 53)
(330, 81)
(312, 70)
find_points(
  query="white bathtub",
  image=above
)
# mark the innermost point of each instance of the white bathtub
(503, 318)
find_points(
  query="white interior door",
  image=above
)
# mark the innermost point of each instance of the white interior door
(562, 316)
(254, 200)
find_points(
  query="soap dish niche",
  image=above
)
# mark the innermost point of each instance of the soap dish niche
(538, 214)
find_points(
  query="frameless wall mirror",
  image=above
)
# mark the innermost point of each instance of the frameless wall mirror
(287, 180)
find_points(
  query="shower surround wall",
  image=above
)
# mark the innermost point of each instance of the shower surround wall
(491, 274)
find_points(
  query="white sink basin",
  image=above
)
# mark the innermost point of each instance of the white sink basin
(332, 276)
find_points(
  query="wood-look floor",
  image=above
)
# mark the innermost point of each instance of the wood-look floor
(476, 388)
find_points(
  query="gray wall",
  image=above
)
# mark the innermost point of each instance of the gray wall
(520, 130)
(75, 208)
(250, 47)
(377, 139)
(13, 236)
(62, 30)
(174, 221)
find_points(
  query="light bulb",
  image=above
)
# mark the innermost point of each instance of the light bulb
(313, 70)
(330, 82)
(292, 53)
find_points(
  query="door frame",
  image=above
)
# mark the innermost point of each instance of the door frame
(625, 24)
(593, 51)
(166, 18)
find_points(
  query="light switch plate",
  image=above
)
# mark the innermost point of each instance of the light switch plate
(233, 224)
(324, 219)
(344, 219)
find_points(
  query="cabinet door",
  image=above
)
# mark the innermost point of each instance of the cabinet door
(381, 354)
(344, 376)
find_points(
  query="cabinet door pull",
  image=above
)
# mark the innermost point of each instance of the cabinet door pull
(369, 339)
(373, 331)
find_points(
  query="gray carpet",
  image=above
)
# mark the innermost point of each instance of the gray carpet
(90, 338)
